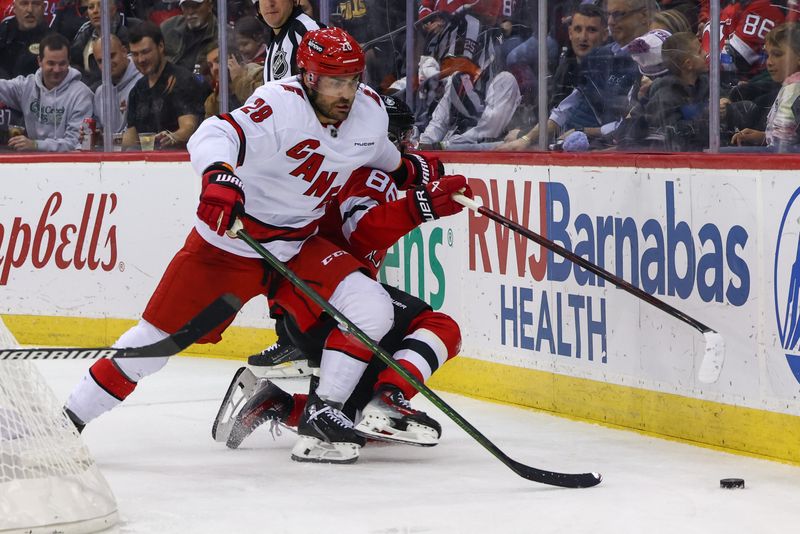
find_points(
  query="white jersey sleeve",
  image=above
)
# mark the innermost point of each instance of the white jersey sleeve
(386, 157)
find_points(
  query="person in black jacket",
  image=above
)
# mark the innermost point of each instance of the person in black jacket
(81, 54)
(69, 16)
(19, 39)
(678, 103)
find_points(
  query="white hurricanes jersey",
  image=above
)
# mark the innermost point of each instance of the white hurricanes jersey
(290, 163)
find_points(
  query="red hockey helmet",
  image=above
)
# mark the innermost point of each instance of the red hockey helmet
(330, 52)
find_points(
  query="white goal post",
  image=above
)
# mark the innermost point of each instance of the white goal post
(48, 481)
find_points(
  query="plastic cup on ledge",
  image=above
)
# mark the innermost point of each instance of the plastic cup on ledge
(15, 130)
(147, 141)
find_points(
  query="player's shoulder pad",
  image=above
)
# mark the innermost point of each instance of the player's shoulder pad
(370, 112)
(368, 91)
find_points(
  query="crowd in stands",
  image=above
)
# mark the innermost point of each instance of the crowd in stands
(621, 74)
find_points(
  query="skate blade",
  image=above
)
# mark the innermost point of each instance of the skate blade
(314, 450)
(295, 369)
(379, 428)
(240, 390)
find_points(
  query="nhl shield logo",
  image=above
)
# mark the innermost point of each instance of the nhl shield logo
(280, 67)
(786, 284)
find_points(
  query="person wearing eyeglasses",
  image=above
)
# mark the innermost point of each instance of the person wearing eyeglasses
(19, 39)
(588, 30)
(601, 99)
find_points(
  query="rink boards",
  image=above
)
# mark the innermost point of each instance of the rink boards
(83, 244)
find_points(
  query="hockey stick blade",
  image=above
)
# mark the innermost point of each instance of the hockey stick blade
(552, 478)
(212, 316)
(714, 354)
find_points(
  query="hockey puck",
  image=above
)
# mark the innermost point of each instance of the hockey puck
(732, 483)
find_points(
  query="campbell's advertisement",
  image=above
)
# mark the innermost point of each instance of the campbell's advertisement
(91, 240)
(721, 246)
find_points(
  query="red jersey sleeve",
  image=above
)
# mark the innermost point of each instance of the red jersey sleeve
(368, 217)
(751, 26)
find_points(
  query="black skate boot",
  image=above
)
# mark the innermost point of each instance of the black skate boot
(390, 417)
(268, 403)
(326, 435)
(280, 360)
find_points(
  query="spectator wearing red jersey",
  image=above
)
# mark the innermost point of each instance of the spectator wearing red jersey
(744, 25)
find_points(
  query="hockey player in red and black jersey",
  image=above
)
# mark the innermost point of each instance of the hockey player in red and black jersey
(366, 217)
(273, 163)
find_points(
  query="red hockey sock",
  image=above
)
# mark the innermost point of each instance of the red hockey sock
(300, 400)
(110, 378)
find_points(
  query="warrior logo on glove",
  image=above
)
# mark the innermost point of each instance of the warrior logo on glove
(222, 199)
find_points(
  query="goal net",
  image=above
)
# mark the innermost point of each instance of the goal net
(48, 481)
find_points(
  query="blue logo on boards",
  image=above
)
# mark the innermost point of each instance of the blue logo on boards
(786, 285)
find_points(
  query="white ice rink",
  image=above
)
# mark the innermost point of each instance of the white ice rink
(170, 477)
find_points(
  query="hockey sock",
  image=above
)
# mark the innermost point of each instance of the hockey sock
(101, 389)
(344, 360)
(433, 339)
(293, 419)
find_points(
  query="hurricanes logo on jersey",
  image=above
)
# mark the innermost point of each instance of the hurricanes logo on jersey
(280, 67)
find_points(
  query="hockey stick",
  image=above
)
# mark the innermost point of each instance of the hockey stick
(208, 319)
(714, 355)
(566, 480)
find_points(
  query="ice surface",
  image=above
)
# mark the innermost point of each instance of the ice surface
(169, 476)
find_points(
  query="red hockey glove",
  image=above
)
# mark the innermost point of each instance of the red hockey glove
(222, 198)
(435, 200)
(417, 170)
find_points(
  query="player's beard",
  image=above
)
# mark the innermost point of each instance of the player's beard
(329, 110)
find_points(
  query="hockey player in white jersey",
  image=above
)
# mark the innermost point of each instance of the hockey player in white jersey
(365, 218)
(273, 163)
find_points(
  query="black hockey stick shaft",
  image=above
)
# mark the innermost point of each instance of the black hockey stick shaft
(583, 262)
(567, 480)
(212, 316)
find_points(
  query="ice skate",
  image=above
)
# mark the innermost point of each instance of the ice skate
(390, 417)
(326, 435)
(268, 403)
(280, 360)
